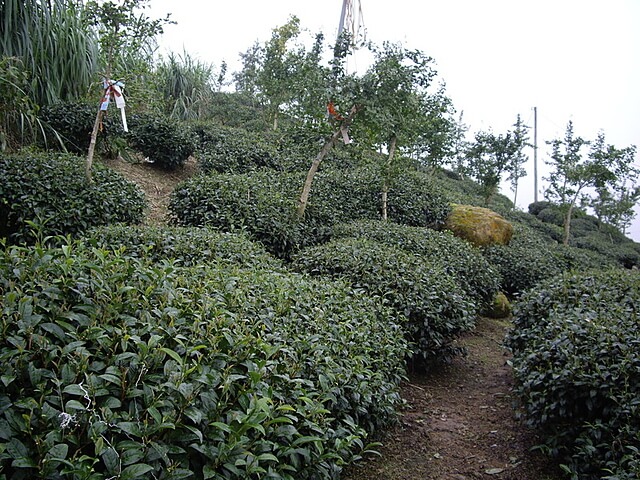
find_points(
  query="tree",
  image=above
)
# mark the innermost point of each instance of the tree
(282, 74)
(615, 195)
(398, 108)
(122, 32)
(488, 157)
(573, 174)
(349, 89)
(515, 168)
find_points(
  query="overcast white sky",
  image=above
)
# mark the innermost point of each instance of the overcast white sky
(574, 60)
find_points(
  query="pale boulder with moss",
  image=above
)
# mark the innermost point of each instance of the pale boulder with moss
(500, 307)
(479, 226)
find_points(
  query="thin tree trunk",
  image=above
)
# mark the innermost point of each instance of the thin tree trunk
(92, 145)
(567, 225)
(385, 180)
(306, 189)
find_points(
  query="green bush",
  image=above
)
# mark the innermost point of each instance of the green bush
(576, 346)
(536, 207)
(191, 246)
(263, 204)
(416, 200)
(113, 366)
(475, 275)
(73, 124)
(525, 262)
(622, 251)
(167, 143)
(52, 191)
(436, 307)
(233, 150)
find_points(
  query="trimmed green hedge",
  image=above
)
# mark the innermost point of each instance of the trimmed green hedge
(477, 277)
(529, 259)
(576, 346)
(113, 366)
(51, 190)
(233, 150)
(73, 123)
(264, 204)
(436, 307)
(190, 246)
(166, 142)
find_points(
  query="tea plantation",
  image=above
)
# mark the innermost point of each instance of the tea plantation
(241, 341)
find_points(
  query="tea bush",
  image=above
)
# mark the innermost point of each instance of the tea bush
(166, 142)
(73, 124)
(622, 251)
(576, 346)
(525, 262)
(113, 366)
(475, 275)
(190, 246)
(436, 307)
(52, 191)
(264, 204)
(233, 150)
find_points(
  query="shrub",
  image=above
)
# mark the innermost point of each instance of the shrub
(189, 245)
(475, 275)
(622, 251)
(436, 308)
(262, 204)
(536, 207)
(116, 367)
(576, 345)
(415, 199)
(233, 150)
(552, 215)
(73, 123)
(168, 143)
(52, 191)
(525, 262)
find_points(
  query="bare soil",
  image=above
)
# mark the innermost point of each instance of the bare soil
(157, 184)
(458, 422)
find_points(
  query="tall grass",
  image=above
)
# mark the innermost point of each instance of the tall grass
(186, 85)
(55, 46)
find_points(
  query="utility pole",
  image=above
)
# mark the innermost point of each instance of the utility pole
(343, 14)
(535, 154)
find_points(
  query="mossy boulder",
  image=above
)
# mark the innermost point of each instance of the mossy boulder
(479, 226)
(500, 307)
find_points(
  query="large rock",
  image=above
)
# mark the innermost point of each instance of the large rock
(499, 308)
(478, 225)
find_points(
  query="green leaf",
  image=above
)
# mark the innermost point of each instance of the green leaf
(135, 471)
(172, 354)
(75, 389)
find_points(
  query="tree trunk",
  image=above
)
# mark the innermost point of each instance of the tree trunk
(567, 225)
(306, 189)
(92, 145)
(385, 179)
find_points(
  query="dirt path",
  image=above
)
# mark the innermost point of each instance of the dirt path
(459, 423)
